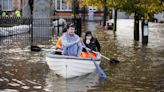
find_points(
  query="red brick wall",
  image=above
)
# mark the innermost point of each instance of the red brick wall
(15, 4)
(69, 13)
(64, 13)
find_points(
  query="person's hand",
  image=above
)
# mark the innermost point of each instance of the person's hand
(78, 40)
(87, 41)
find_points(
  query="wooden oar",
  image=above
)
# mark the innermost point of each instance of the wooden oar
(98, 68)
(35, 48)
(110, 60)
(100, 71)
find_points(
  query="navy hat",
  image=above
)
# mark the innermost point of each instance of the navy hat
(88, 33)
(70, 25)
(64, 30)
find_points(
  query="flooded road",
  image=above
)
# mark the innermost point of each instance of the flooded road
(141, 68)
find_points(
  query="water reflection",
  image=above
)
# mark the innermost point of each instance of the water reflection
(18, 74)
(78, 84)
(141, 66)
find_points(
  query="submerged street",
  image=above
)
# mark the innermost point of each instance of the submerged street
(140, 68)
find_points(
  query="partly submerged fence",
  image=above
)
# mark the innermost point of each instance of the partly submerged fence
(24, 31)
(14, 31)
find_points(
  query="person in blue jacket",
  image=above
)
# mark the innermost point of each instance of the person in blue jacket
(71, 42)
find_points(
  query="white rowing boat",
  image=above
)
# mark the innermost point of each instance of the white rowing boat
(71, 66)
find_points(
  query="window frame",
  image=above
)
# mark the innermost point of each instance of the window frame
(9, 7)
(61, 8)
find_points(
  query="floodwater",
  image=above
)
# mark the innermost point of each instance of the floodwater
(140, 68)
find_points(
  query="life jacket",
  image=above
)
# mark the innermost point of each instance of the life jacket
(17, 12)
(86, 55)
(58, 43)
(3, 14)
(83, 54)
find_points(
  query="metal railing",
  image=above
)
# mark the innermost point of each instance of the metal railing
(26, 31)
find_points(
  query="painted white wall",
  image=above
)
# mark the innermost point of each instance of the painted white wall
(122, 15)
(159, 17)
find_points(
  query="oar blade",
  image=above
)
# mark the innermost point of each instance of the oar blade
(100, 71)
(112, 60)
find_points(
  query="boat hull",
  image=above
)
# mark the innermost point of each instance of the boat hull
(69, 66)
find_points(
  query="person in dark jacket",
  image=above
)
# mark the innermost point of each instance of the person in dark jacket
(91, 42)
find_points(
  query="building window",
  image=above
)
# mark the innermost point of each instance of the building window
(7, 5)
(62, 5)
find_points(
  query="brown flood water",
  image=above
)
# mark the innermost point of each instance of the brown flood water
(141, 68)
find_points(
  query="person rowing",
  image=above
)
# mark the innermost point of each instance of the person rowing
(71, 42)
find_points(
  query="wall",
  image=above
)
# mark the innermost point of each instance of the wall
(159, 17)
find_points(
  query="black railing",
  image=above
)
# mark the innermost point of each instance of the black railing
(26, 31)
(14, 31)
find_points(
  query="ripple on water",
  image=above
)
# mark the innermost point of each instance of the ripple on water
(37, 87)
(9, 90)
(14, 84)
(25, 87)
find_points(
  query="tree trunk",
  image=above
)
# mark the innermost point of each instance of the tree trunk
(105, 15)
(115, 20)
(136, 27)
